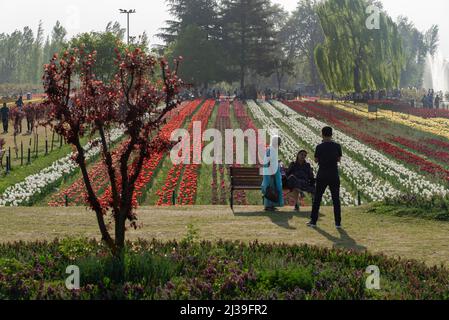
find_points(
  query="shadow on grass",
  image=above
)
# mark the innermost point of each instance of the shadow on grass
(281, 218)
(343, 242)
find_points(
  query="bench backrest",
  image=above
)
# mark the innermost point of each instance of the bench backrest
(245, 177)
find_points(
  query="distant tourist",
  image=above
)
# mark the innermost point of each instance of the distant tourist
(5, 117)
(29, 114)
(437, 102)
(424, 101)
(19, 103)
(327, 155)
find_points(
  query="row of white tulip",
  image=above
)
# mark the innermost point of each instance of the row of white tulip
(21, 193)
(408, 180)
(289, 146)
(355, 172)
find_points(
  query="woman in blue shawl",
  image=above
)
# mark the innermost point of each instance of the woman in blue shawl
(270, 180)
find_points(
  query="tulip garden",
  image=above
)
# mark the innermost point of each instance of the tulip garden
(385, 157)
(389, 161)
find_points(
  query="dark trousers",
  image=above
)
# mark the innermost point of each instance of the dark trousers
(334, 186)
(5, 125)
(29, 125)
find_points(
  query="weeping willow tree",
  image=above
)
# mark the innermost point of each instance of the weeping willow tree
(353, 57)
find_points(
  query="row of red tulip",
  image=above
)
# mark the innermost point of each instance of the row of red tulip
(436, 143)
(156, 157)
(189, 182)
(222, 122)
(185, 176)
(76, 194)
(440, 156)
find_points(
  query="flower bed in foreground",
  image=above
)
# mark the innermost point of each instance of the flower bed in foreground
(222, 270)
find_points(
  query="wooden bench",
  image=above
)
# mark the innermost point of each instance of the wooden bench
(246, 178)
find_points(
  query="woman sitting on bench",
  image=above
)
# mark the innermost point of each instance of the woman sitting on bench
(300, 178)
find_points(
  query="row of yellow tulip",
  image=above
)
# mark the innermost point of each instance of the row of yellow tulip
(437, 126)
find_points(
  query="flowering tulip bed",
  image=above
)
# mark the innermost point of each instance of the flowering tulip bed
(189, 180)
(396, 174)
(355, 172)
(398, 153)
(181, 175)
(211, 271)
(38, 184)
(404, 107)
(75, 194)
(437, 155)
(149, 169)
(435, 126)
(436, 143)
(219, 187)
(366, 171)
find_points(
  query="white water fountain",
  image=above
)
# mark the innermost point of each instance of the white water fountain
(436, 74)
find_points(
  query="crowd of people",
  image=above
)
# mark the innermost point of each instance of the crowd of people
(431, 100)
(249, 93)
(30, 111)
(299, 178)
(368, 95)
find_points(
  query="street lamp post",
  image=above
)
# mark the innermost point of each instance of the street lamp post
(128, 12)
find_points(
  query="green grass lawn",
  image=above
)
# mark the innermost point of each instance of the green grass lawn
(411, 238)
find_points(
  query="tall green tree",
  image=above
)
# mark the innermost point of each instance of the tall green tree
(249, 36)
(305, 34)
(185, 13)
(9, 56)
(354, 57)
(431, 39)
(104, 44)
(38, 50)
(25, 66)
(202, 63)
(285, 50)
(58, 40)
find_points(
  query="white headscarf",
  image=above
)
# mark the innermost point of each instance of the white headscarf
(275, 142)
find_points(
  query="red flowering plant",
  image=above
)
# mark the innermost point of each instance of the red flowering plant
(133, 101)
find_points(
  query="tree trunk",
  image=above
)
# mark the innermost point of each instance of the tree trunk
(243, 56)
(93, 201)
(242, 78)
(279, 80)
(313, 73)
(357, 86)
(120, 230)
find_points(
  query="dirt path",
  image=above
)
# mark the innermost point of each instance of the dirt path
(405, 237)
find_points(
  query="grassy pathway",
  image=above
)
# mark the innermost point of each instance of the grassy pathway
(409, 238)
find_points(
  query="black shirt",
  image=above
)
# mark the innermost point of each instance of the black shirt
(328, 154)
(4, 112)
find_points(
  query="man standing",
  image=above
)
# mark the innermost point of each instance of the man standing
(20, 113)
(327, 155)
(29, 114)
(4, 111)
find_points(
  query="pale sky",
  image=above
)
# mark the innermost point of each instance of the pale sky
(86, 15)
